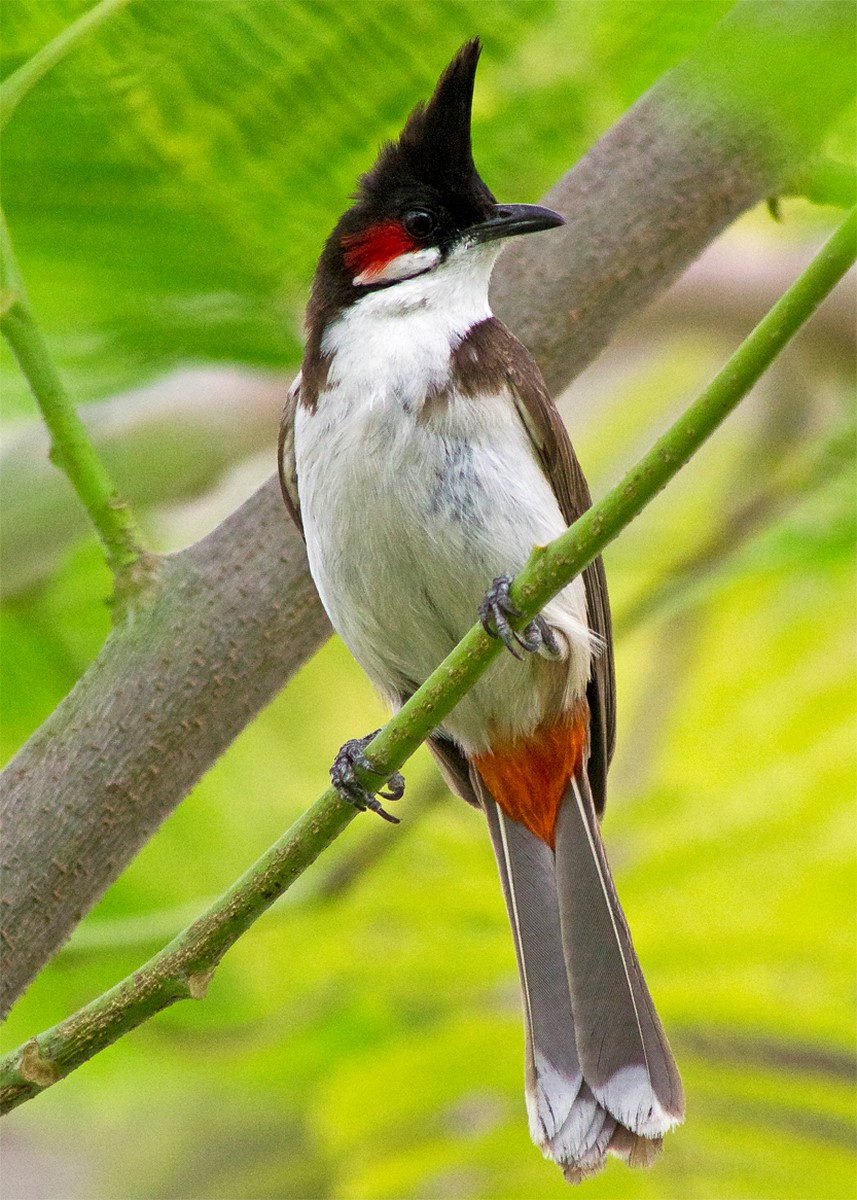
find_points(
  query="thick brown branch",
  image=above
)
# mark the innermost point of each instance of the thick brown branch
(236, 614)
(233, 617)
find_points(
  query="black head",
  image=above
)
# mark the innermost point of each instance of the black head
(431, 165)
(421, 199)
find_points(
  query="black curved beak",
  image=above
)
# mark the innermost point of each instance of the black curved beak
(508, 220)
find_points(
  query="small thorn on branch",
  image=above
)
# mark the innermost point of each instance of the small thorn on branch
(197, 983)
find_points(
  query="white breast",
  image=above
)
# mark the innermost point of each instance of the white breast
(410, 514)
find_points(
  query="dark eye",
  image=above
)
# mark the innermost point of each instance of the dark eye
(419, 223)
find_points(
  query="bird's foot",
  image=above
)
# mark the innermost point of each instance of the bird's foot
(494, 613)
(350, 788)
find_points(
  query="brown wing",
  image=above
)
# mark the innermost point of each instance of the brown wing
(491, 351)
(453, 766)
(286, 455)
(554, 448)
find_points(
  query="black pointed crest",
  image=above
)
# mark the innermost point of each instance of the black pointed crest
(434, 147)
(439, 132)
(429, 167)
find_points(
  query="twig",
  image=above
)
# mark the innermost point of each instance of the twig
(71, 448)
(184, 968)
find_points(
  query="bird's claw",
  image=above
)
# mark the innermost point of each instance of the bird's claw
(350, 788)
(494, 613)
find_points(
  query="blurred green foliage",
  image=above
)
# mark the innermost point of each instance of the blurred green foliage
(169, 187)
(172, 183)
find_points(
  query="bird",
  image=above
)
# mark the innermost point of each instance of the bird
(422, 459)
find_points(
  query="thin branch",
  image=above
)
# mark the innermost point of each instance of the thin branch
(551, 567)
(235, 614)
(184, 968)
(677, 588)
(20, 82)
(71, 448)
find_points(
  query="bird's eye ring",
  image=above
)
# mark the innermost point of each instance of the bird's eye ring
(419, 223)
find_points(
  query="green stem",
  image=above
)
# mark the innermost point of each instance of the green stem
(551, 567)
(184, 968)
(71, 448)
(34, 69)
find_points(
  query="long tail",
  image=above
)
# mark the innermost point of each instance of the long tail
(600, 1075)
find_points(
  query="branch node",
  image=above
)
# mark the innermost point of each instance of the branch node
(135, 577)
(35, 1067)
(71, 448)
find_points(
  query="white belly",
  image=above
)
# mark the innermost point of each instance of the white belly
(408, 518)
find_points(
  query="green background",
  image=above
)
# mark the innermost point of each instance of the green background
(168, 188)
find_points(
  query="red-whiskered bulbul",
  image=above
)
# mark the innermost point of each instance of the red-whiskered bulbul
(422, 457)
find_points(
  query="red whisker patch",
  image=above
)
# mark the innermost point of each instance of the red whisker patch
(367, 253)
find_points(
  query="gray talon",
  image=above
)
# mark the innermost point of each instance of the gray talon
(539, 634)
(352, 790)
(395, 787)
(494, 613)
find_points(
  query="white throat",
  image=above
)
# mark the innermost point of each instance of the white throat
(398, 339)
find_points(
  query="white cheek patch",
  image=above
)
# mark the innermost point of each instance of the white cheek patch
(403, 266)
